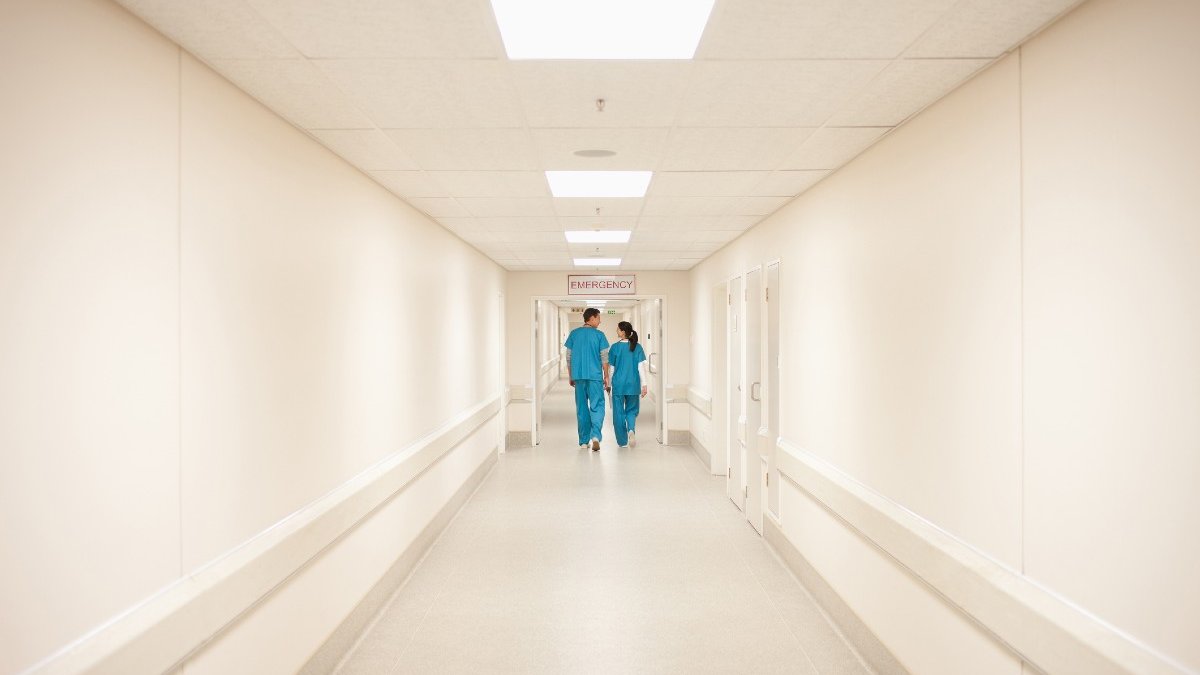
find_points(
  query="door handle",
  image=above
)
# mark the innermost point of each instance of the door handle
(651, 365)
(756, 392)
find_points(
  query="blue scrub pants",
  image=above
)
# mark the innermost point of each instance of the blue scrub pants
(589, 409)
(625, 412)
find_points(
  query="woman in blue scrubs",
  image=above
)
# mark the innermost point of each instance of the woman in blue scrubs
(628, 383)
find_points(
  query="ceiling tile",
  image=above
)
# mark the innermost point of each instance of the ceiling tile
(635, 93)
(771, 93)
(729, 149)
(521, 223)
(831, 147)
(655, 237)
(756, 206)
(409, 183)
(492, 183)
(594, 223)
(429, 94)
(637, 149)
(687, 206)
(712, 206)
(696, 222)
(215, 29)
(539, 249)
(297, 91)
(468, 149)
(485, 207)
(704, 183)
(547, 237)
(720, 236)
(438, 208)
(413, 29)
(584, 207)
(986, 28)
(370, 150)
(904, 88)
(817, 29)
(787, 183)
(647, 263)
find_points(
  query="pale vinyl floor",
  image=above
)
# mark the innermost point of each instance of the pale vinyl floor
(619, 561)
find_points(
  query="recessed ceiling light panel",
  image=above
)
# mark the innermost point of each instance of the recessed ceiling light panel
(597, 262)
(601, 29)
(597, 236)
(598, 183)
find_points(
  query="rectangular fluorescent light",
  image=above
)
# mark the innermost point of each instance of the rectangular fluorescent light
(597, 262)
(597, 236)
(598, 183)
(601, 29)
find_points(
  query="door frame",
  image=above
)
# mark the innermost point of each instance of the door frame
(535, 367)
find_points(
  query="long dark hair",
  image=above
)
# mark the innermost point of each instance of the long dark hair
(630, 333)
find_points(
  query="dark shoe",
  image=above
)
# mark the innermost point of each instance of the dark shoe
(595, 445)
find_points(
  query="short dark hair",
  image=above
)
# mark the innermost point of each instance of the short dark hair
(589, 313)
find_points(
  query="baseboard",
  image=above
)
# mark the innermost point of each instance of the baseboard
(518, 439)
(700, 451)
(344, 638)
(678, 436)
(856, 633)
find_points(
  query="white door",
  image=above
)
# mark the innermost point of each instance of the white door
(659, 378)
(538, 358)
(717, 437)
(735, 415)
(754, 460)
(772, 381)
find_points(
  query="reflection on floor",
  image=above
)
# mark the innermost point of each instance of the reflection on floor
(621, 561)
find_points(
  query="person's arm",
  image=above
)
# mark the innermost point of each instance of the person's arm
(644, 371)
(567, 349)
(604, 367)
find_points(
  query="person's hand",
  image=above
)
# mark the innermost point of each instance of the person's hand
(644, 390)
(608, 388)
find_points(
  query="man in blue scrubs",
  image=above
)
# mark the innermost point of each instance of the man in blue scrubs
(587, 362)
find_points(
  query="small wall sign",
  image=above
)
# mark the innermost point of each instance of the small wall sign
(601, 284)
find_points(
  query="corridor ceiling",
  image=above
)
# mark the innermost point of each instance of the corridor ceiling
(420, 95)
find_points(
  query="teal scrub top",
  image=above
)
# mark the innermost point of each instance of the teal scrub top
(626, 381)
(585, 344)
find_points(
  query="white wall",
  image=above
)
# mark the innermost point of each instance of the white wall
(523, 286)
(205, 324)
(990, 319)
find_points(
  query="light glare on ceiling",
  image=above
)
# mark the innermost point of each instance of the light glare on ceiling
(601, 29)
(597, 236)
(598, 183)
(597, 262)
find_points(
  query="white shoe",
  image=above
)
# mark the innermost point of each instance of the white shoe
(623, 447)
(583, 446)
(632, 439)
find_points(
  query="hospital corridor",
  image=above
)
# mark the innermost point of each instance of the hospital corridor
(606, 337)
(624, 560)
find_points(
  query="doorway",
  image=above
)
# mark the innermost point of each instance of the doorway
(648, 315)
